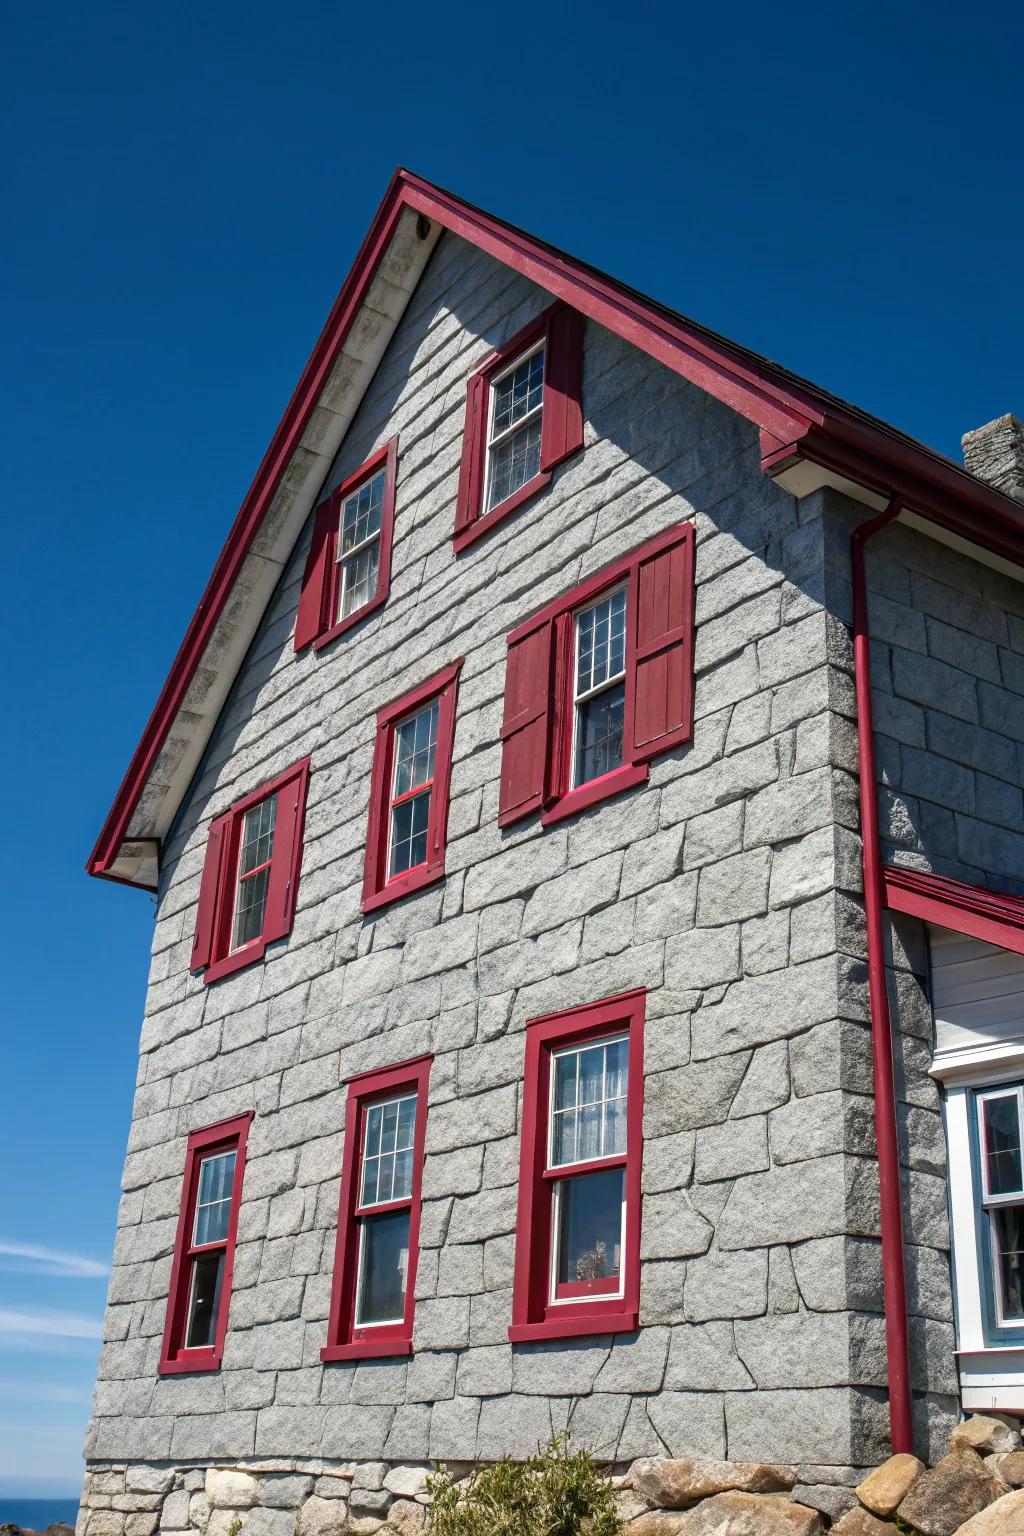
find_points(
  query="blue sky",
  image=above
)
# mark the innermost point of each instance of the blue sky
(185, 187)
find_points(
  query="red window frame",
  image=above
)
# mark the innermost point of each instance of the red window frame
(378, 889)
(537, 732)
(536, 1314)
(175, 1357)
(315, 623)
(344, 1340)
(211, 951)
(561, 330)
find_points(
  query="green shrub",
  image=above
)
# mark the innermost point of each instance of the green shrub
(558, 1492)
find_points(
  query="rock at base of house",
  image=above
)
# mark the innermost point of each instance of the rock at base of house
(957, 1487)
(745, 1514)
(984, 1434)
(1003, 1518)
(860, 1522)
(673, 1484)
(884, 1489)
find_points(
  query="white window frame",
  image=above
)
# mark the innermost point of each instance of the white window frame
(492, 441)
(591, 693)
(990, 1202)
(379, 1208)
(561, 1169)
(343, 559)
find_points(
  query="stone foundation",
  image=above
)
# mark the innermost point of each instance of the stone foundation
(976, 1489)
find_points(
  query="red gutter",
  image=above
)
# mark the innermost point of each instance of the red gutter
(893, 1275)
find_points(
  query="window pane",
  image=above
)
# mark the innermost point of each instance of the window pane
(384, 1262)
(514, 460)
(409, 822)
(387, 1153)
(415, 743)
(360, 513)
(601, 642)
(566, 1069)
(1008, 1224)
(616, 1066)
(204, 1300)
(592, 1074)
(257, 835)
(589, 1230)
(213, 1203)
(359, 579)
(251, 905)
(518, 393)
(1001, 1145)
(599, 727)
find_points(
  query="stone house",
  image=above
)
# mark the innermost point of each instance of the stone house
(531, 1041)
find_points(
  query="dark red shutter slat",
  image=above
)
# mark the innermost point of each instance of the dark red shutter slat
(467, 505)
(562, 425)
(662, 681)
(524, 732)
(310, 619)
(209, 889)
(285, 858)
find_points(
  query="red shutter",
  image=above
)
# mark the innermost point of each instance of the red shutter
(209, 890)
(661, 678)
(376, 823)
(467, 505)
(286, 858)
(562, 428)
(310, 619)
(524, 732)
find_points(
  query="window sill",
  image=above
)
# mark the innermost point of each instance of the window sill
(378, 1349)
(402, 885)
(574, 1327)
(344, 625)
(597, 790)
(183, 1365)
(236, 961)
(485, 521)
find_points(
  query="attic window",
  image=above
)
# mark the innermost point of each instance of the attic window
(250, 875)
(348, 572)
(523, 418)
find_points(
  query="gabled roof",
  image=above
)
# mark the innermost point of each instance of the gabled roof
(808, 438)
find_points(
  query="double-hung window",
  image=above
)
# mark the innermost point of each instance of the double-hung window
(406, 834)
(378, 1222)
(523, 418)
(348, 571)
(197, 1306)
(250, 878)
(599, 683)
(1000, 1156)
(578, 1229)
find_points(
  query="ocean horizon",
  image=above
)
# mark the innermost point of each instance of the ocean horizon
(37, 1514)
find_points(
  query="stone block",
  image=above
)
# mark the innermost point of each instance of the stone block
(672, 1229)
(703, 1358)
(732, 889)
(322, 1517)
(227, 1489)
(713, 835)
(668, 1162)
(485, 1371)
(689, 1423)
(765, 1084)
(769, 1007)
(727, 1285)
(635, 1362)
(736, 1147)
(692, 1096)
(703, 957)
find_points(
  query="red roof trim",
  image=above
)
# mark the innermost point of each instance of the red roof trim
(795, 416)
(992, 916)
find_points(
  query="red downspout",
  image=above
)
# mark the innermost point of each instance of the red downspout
(893, 1276)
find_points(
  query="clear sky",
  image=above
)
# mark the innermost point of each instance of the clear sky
(184, 189)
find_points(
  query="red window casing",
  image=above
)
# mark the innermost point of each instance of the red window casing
(560, 330)
(317, 622)
(213, 951)
(176, 1356)
(537, 730)
(379, 885)
(346, 1340)
(543, 1306)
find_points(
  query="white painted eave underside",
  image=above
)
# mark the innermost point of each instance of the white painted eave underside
(802, 476)
(367, 340)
